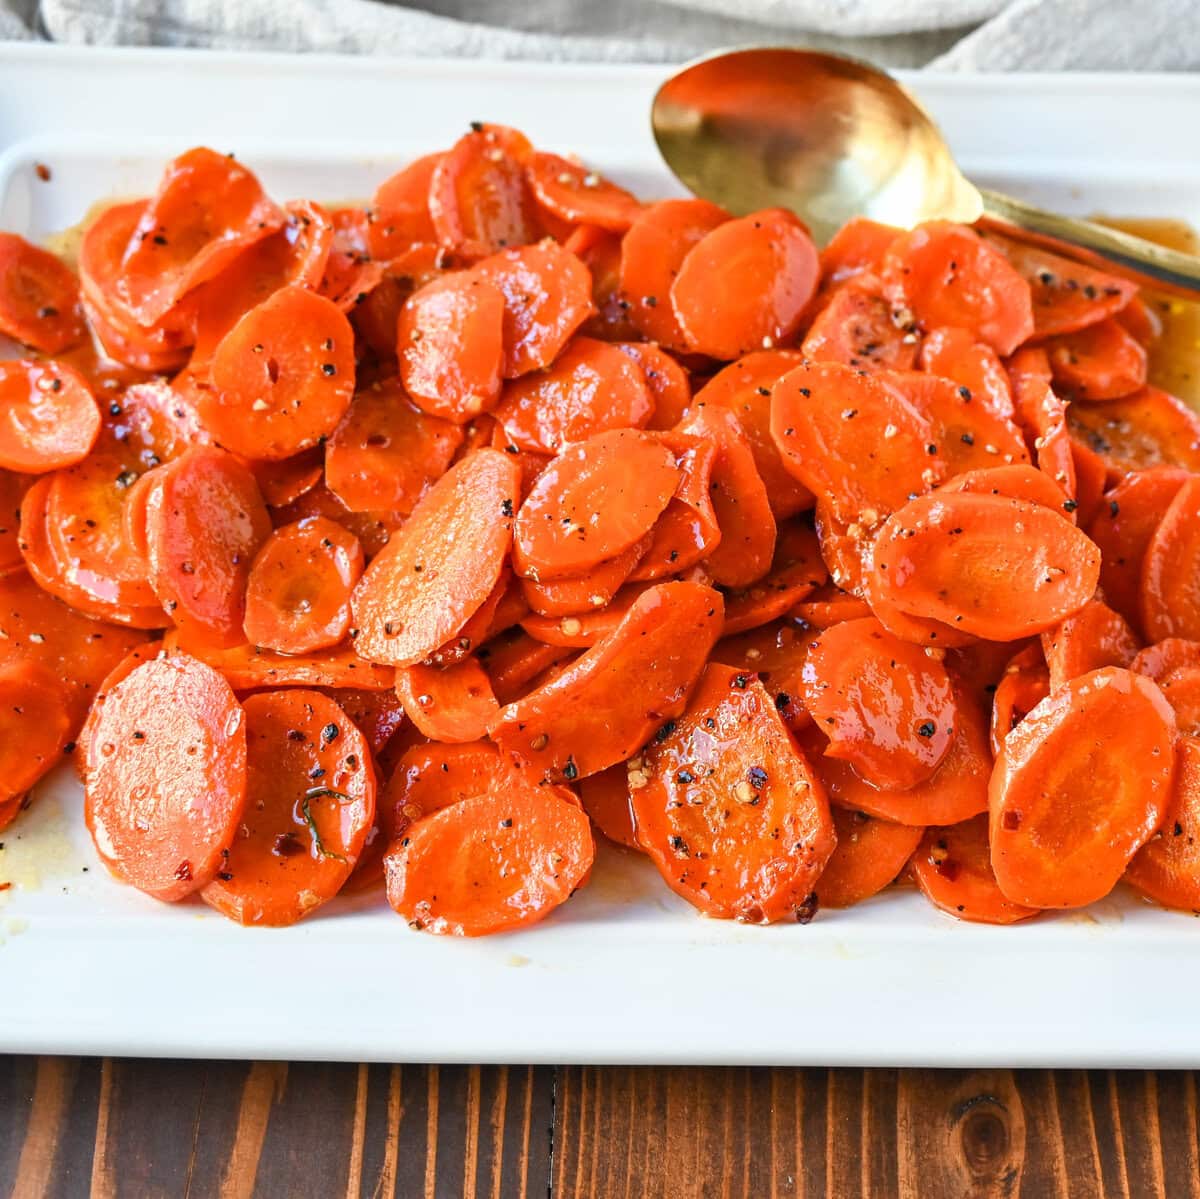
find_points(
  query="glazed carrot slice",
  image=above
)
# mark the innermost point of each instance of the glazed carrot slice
(586, 628)
(1043, 416)
(847, 547)
(450, 346)
(1024, 684)
(1167, 867)
(374, 317)
(776, 653)
(1018, 482)
(846, 436)
(299, 586)
(1101, 362)
(1066, 295)
(868, 856)
(399, 215)
(310, 802)
(1079, 786)
(349, 278)
(1138, 318)
(796, 572)
(1095, 636)
(204, 524)
(501, 860)
(772, 269)
(13, 487)
(579, 196)
(547, 296)
(670, 388)
(387, 453)
(1014, 569)
(373, 528)
(919, 630)
(729, 810)
(146, 652)
(829, 605)
(1091, 479)
(652, 253)
(601, 253)
(885, 705)
(437, 571)
(378, 715)
(34, 725)
(515, 659)
(606, 800)
(956, 791)
(166, 776)
(479, 197)
(1122, 528)
(39, 297)
(586, 592)
(1170, 603)
(282, 377)
(285, 481)
(451, 704)
(593, 502)
(857, 327)
(609, 702)
(502, 609)
(1149, 428)
(48, 416)
(593, 387)
(954, 354)
(1174, 665)
(953, 869)
(859, 245)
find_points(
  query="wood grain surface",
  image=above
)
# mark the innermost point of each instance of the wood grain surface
(144, 1129)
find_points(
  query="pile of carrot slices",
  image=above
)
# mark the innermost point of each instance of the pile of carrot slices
(410, 545)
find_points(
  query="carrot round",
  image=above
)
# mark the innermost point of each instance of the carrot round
(166, 776)
(453, 704)
(282, 376)
(515, 659)
(13, 487)
(728, 808)
(668, 382)
(1079, 786)
(953, 353)
(858, 328)
(48, 416)
(1167, 867)
(1095, 636)
(987, 565)
(608, 703)
(299, 586)
(1170, 591)
(310, 802)
(1174, 665)
(503, 859)
(399, 214)
(796, 572)
(587, 592)
(771, 265)
(1101, 362)
(885, 705)
(869, 854)
(593, 502)
(39, 297)
(859, 245)
(606, 800)
(34, 725)
(580, 196)
(437, 571)
(828, 605)
(1149, 428)
(1043, 416)
(954, 872)
(1019, 481)
(1023, 685)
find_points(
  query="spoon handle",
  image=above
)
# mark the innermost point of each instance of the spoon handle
(1153, 265)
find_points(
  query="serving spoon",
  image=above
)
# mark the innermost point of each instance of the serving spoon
(832, 138)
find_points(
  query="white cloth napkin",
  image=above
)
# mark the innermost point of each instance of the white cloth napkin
(975, 35)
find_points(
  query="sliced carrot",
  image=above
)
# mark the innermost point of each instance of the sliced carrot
(1174, 665)
(1149, 428)
(1018, 482)
(1138, 318)
(350, 229)
(378, 715)
(859, 245)
(828, 605)
(946, 274)
(399, 215)
(1043, 416)
(310, 802)
(579, 196)
(1167, 867)
(282, 377)
(494, 615)
(847, 548)
(771, 267)
(375, 316)
(34, 725)
(1170, 592)
(1066, 295)
(373, 528)
(285, 481)
(1095, 636)
(608, 703)
(387, 453)
(652, 253)
(954, 354)
(919, 630)
(994, 567)
(515, 659)
(450, 346)
(857, 327)
(776, 653)
(39, 297)
(846, 436)
(1079, 786)
(207, 209)
(166, 776)
(204, 524)
(593, 387)
(479, 197)
(601, 253)
(587, 592)
(437, 571)
(796, 572)
(547, 296)
(48, 416)
(299, 586)
(500, 860)
(953, 869)
(593, 502)
(454, 704)
(868, 856)
(13, 487)
(606, 800)
(145, 652)
(1122, 528)
(1024, 684)
(668, 382)
(729, 810)
(1101, 362)
(1091, 478)
(349, 278)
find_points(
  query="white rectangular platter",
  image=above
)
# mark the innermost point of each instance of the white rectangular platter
(625, 972)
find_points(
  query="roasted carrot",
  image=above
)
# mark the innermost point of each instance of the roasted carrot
(1023, 685)
(670, 387)
(953, 353)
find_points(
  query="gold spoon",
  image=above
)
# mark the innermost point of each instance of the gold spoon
(832, 138)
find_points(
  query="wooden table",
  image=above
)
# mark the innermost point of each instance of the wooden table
(145, 1129)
